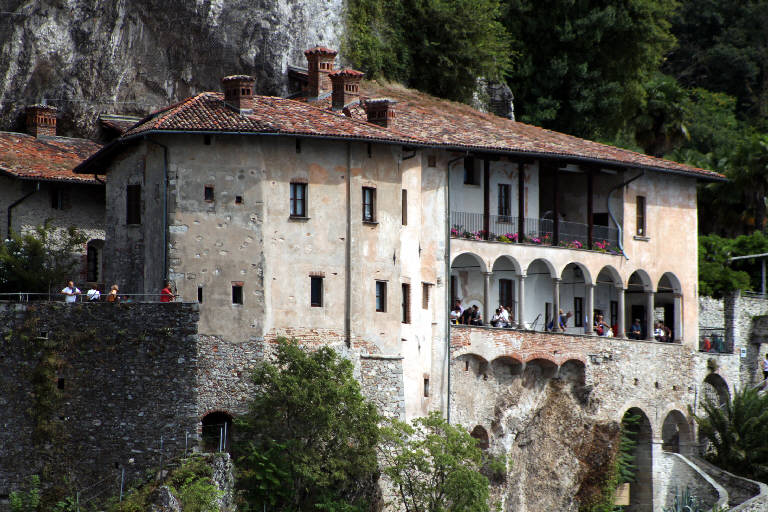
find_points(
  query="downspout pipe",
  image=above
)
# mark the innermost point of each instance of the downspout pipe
(348, 253)
(18, 202)
(165, 207)
(613, 218)
(448, 284)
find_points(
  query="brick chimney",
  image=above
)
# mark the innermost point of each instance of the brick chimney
(41, 121)
(238, 92)
(381, 111)
(346, 87)
(319, 65)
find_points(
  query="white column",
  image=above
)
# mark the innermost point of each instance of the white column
(555, 303)
(620, 322)
(678, 317)
(649, 313)
(520, 301)
(487, 297)
(589, 306)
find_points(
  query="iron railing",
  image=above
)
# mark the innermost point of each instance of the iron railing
(58, 297)
(505, 228)
(713, 340)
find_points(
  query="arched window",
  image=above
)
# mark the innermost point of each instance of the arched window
(93, 260)
(217, 431)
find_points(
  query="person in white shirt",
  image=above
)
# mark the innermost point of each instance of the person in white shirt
(505, 316)
(70, 292)
(93, 294)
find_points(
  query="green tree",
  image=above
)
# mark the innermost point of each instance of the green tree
(26, 501)
(309, 439)
(435, 466)
(438, 46)
(736, 432)
(582, 63)
(39, 261)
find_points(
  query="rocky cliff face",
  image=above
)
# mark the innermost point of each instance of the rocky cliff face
(88, 57)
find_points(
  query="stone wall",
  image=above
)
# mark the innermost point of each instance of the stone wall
(711, 313)
(674, 473)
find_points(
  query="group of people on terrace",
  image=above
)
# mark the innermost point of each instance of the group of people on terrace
(502, 317)
(72, 292)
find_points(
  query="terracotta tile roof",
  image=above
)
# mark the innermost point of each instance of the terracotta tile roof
(117, 122)
(46, 158)
(320, 50)
(421, 120)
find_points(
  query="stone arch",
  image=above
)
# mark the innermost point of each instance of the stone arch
(506, 368)
(505, 286)
(543, 266)
(668, 303)
(538, 370)
(676, 433)
(609, 275)
(573, 371)
(469, 260)
(574, 281)
(539, 293)
(608, 286)
(507, 262)
(479, 433)
(669, 283)
(716, 389)
(582, 272)
(216, 431)
(467, 280)
(473, 363)
(638, 302)
(641, 490)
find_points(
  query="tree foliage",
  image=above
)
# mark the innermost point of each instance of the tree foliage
(717, 275)
(309, 439)
(736, 432)
(438, 46)
(434, 466)
(582, 63)
(39, 261)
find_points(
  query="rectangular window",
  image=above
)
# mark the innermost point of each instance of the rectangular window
(424, 296)
(298, 199)
(431, 161)
(406, 304)
(316, 291)
(469, 171)
(133, 204)
(238, 199)
(381, 296)
(641, 216)
(237, 293)
(506, 293)
(578, 311)
(57, 198)
(505, 207)
(200, 294)
(208, 193)
(547, 314)
(405, 207)
(426, 387)
(369, 204)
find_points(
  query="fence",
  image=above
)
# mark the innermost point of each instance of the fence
(25, 297)
(505, 228)
(712, 339)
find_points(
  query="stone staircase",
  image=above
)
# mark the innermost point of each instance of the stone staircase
(743, 495)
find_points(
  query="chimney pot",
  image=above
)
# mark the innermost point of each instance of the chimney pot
(319, 66)
(346, 87)
(381, 111)
(238, 92)
(41, 120)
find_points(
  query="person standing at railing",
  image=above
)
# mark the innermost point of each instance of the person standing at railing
(70, 292)
(166, 295)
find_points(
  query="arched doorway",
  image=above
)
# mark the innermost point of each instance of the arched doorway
(468, 281)
(609, 300)
(505, 286)
(93, 256)
(217, 431)
(574, 297)
(676, 433)
(638, 427)
(639, 302)
(668, 304)
(539, 293)
(481, 435)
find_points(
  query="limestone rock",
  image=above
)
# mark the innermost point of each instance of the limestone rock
(163, 500)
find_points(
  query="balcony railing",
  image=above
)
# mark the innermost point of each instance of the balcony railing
(712, 339)
(504, 228)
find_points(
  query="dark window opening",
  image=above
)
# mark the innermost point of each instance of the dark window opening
(505, 206)
(133, 204)
(370, 150)
(426, 387)
(207, 140)
(60, 383)
(298, 199)
(406, 304)
(466, 366)
(615, 312)
(238, 199)
(298, 145)
(424, 296)
(316, 292)
(237, 294)
(641, 216)
(92, 264)
(200, 294)
(405, 207)
(600, 219)
(431, 161)
(381, 296)
(469, 171)
(506, 293)
(217, 431)
(209, 193)
(481, 435)
(578, 311)
(547, 313)
(57, 198)
(369, 204)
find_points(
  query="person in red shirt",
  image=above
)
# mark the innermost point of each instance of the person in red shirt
(166, 295)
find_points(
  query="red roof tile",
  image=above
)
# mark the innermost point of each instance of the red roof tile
(46, 158)
(421, 120)
(320, 50)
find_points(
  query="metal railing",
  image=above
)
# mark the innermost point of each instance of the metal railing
(505, 228)
(25, 297)
(713, 340)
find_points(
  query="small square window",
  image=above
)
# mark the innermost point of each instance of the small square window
(238, 199)
(237, 293)
(298, 200)
(369, 204)
(381, 296)
(316, 291)
(208, 194)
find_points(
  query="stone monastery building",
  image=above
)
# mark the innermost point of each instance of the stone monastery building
(355, 214)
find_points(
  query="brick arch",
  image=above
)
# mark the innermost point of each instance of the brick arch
(216, 430)
(573, 370)
(676, 432)
(505, 367)
(540, 355)
(563, 358)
